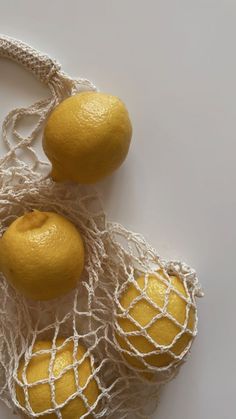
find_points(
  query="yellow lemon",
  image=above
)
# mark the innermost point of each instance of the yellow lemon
(87, 137)
(40, 395)
(42, 255)
(167, 302)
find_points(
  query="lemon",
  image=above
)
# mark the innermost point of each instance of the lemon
(42, 255)
(163, 330)
(87, 137)
(40, 395)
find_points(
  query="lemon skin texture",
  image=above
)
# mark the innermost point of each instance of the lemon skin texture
(87, 137)
(42, 255)
(163, 331)
(40, 397)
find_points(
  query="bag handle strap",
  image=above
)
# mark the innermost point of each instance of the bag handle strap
(41, 65)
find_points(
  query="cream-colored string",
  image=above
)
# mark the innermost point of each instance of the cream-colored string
(49, 73)
(114, 256)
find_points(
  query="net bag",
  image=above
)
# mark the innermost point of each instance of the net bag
(113, 363)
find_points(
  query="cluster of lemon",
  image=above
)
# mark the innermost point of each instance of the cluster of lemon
(42, 255)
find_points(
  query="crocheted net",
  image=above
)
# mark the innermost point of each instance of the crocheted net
(114, 258)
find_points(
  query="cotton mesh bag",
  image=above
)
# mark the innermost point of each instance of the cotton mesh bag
(114, 360)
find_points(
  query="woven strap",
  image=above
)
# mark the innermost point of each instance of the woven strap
(41, 65)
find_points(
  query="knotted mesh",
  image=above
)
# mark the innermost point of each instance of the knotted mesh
(99, 377)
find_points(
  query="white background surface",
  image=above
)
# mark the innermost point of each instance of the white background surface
(174, 64)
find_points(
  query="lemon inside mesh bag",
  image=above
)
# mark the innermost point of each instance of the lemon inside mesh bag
(57, 375)
(155, 321)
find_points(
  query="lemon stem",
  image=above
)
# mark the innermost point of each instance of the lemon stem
(31, 220)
